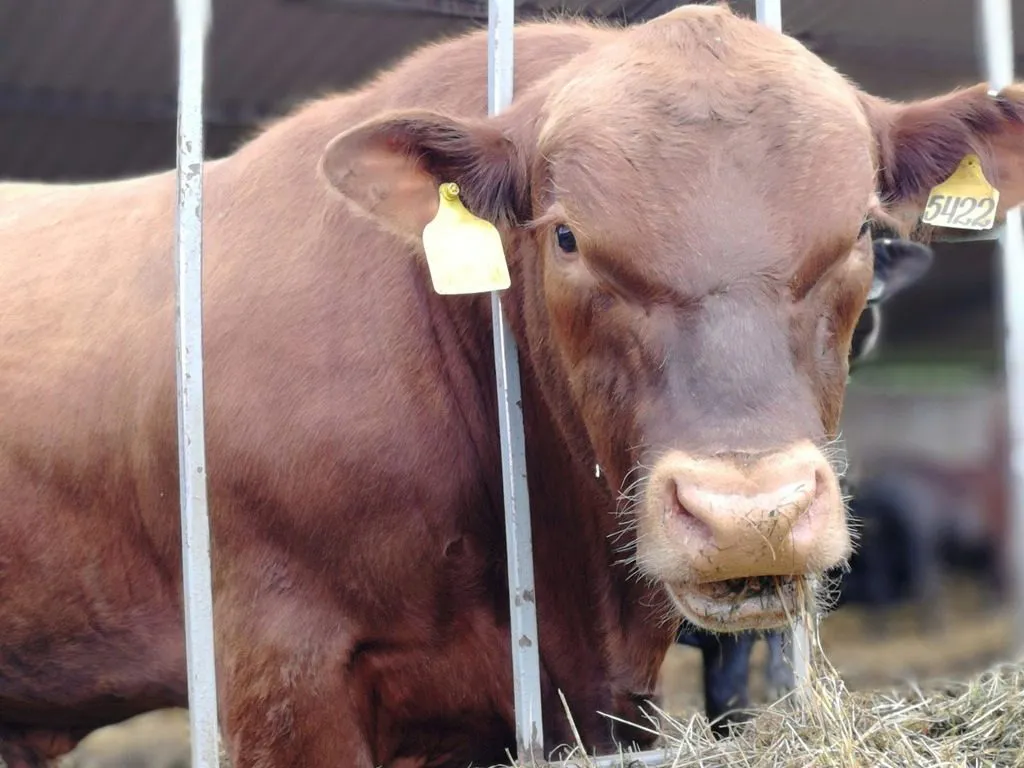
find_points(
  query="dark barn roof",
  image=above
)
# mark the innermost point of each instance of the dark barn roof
(72, 71)
(88, 89)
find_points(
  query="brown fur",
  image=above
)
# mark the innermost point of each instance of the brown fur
(716, 174)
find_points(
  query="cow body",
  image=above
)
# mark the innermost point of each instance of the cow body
(354, 475)
(382, 576)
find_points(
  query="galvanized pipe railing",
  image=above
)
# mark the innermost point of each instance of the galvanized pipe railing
(194, 21)
(996, 37)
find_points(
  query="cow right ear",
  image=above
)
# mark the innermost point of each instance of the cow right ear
(390, 168)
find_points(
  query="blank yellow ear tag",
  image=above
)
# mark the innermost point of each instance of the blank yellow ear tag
(963, 201)
(464, 253)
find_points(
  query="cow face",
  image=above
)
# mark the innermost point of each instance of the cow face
(686, 210)
(898, 265)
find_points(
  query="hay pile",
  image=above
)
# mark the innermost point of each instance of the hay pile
(975, 723)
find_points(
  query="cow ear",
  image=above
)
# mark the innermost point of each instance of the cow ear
(898, 265)
(390, 168)
(921, 143)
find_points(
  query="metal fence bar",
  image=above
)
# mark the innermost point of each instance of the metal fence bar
(518, 534)
(1012, 254)
(996, 28)
(654, 758)
(769, 13)
(194, 19)
(798, 641)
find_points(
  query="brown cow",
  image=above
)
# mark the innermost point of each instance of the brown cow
(685, 208)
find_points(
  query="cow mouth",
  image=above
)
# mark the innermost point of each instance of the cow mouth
(733, 605)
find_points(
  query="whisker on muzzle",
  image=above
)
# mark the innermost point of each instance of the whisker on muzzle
(689, 541)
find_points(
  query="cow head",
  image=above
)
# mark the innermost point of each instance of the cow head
(686, 209)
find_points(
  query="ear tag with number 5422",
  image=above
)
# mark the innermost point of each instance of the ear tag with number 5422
(963, 201)
(464, 252)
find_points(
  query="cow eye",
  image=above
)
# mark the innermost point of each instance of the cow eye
(566, 239)
(864, 229)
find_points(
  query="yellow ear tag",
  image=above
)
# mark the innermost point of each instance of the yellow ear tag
(963, 201)
(464, 253)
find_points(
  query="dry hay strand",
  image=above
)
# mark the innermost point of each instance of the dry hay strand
(822, 724)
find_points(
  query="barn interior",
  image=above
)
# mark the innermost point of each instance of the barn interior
(88, 92)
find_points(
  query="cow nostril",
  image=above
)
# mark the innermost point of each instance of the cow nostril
(676, 509)
(814, 500)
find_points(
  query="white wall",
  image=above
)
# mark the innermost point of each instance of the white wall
(951, 425)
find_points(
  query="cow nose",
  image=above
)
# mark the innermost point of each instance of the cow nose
(743, 515)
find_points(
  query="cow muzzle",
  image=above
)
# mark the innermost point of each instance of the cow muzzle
(734, 536)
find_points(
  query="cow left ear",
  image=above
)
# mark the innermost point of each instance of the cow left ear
(898, 265)
(391, 167)
(921, 143)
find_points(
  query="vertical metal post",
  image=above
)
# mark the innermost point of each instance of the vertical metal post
(996, 27)
(798, 641)
(769, 13)
(518, 534)
(194, 21)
